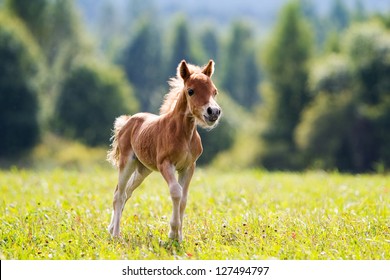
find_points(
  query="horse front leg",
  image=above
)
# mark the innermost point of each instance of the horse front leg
(184, 180)
(175, 189)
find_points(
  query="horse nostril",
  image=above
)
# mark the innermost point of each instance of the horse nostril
(213, 113)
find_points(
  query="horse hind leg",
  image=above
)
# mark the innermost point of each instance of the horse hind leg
(120, 196)
(136, 179)
(140, 172)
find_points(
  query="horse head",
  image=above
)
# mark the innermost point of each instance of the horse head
(200, 92)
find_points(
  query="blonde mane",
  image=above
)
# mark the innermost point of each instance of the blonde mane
(176, 86)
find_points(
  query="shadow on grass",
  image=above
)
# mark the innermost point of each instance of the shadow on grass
(149, 246)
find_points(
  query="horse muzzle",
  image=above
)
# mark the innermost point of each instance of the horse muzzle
(212, 115)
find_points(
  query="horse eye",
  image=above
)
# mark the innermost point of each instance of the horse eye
(190, 92)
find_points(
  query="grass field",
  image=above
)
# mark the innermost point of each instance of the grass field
(239, 215)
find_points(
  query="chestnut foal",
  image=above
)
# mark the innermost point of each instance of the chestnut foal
(167, 143)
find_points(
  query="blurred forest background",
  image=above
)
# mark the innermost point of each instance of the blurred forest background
(303, 84)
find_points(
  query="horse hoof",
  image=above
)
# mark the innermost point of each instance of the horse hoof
(112, 232)
(175, 236)
(110, 229)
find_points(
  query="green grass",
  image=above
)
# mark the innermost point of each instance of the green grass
(230, 215)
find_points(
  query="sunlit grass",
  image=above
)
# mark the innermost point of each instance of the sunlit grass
(239, 215)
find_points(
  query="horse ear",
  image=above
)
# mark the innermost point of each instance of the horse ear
(183, 70)
(209, 69)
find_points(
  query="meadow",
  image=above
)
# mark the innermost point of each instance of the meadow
(250, 214)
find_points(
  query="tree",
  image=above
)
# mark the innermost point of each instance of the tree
(142, 62)
(92, 97)
(115, 21)
(359, 11)
(241, 75)
(56, 28)
(323, 135)
(33, 13)
(180, 46)
(368, 48)
(210, 43)
(352, 136)
(108, 27)
(285, 91)
(318, 24)
(339, 16)
(19, 70)
(138, 9)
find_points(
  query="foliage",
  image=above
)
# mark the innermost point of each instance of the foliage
(56, 28)
(32, 13)
(210, 44)
(54, 25)
(142, 62)
(354, 84)
(64, 215)
(180, 47)
(241, 75)
(293, 93)
(19, 89)
(339, 15)
(368, 48)
(285, 92)
(93, 95)
(323, 135)
(331, 74)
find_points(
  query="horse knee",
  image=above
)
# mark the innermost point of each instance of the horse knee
(175, 191)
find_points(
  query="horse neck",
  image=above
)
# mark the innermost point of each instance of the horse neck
(182, 116)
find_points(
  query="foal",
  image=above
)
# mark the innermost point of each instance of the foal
(167, 143)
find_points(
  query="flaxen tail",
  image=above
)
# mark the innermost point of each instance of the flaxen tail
(114, 153)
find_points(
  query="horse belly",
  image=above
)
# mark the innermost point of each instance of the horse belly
(143, 140)
(146, 156)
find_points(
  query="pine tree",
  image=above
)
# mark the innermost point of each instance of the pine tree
(180, 46)
(285, 91)
(142, 62)
(210, 43)
(339, 16)
(241, 76)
